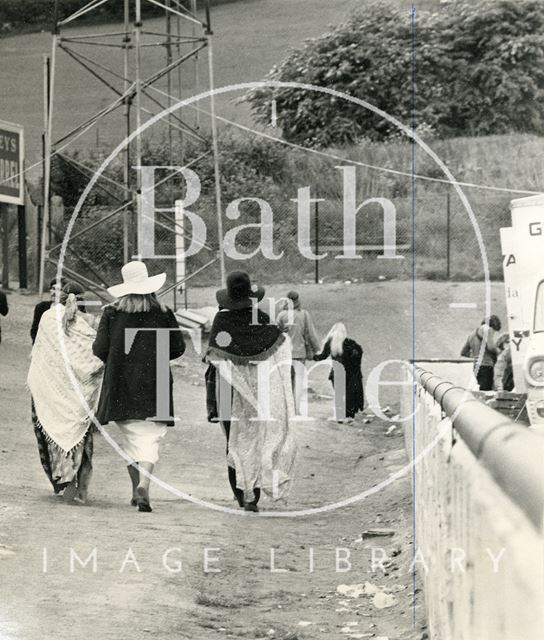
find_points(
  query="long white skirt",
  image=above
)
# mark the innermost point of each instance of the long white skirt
(141, 438)
(263, 451)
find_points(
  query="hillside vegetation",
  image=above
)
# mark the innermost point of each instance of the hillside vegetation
(249, 38)
(259, 168)
(475, 68)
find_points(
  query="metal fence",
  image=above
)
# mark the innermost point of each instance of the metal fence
(435, 237)
(479, 500)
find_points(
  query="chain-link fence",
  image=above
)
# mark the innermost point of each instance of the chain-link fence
(433, 234)
(435, 239)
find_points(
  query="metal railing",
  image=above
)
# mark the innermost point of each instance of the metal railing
(478, 481)
(513, 455)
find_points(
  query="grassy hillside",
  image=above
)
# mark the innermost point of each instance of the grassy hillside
(249, 38)
(35, 15)
(505, 162)
(497, 162)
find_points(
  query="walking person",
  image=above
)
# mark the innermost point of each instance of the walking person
(132, 395)
(4, 308)
(504, 373)
(348, 354)
(62, 423)
(483, 338)
(297, 323)
(261, 448)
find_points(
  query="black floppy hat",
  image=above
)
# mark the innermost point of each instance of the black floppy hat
(239, 292)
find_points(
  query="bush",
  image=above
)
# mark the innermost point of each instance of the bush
(479, 70)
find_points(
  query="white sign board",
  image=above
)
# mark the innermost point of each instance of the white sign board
(528, 249)
(12, 159)
(517, 328)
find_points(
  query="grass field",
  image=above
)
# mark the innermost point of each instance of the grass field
(496, 163)
(249, 38)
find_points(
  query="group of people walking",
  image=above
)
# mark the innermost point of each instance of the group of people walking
(116, 370)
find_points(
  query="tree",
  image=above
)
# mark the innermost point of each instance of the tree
(478, 69)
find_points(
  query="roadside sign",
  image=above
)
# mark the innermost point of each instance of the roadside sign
(517, 327)
(11, 163)
(528, 249)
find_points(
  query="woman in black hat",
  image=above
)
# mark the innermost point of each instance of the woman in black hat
(249, 379)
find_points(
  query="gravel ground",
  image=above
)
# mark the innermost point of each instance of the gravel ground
(138, 592)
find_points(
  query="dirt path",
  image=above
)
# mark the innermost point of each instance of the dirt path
(136, 596)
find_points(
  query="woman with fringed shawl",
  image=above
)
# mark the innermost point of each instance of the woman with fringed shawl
(64, 379)
(249, 391)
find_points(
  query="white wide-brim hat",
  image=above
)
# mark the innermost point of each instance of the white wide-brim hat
(137, 280)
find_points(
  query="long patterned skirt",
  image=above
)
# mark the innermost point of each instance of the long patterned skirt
(262, 452)
(61, 467)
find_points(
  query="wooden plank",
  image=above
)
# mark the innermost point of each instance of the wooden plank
(365, 247)
(4, 215)
(21, 237)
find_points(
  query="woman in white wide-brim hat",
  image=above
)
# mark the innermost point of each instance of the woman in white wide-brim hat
(130, 394)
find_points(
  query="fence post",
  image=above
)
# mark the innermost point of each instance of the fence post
(38, 256)
(21, 227)
(316, 250)
(448, 233)
(4, 214)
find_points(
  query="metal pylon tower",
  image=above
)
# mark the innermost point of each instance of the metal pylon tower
(137, 96)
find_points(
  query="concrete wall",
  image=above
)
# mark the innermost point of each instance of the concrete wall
(462, 513)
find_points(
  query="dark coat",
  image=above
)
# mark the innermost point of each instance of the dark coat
(4, 308)
(39, 310)
(129, 390)
(246, 339)
(350, 358)
(249, 342)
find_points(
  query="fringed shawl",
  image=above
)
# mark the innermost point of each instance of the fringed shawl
(262, 447)
(59, 407)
